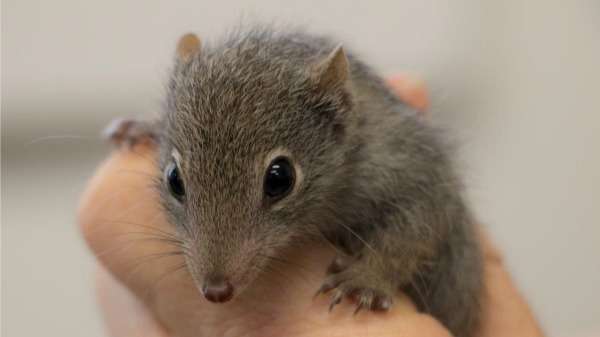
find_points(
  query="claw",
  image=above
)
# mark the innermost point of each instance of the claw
(364, 299)
(325, 288)
(359, 307)
(382, 303)
(335, 300)
(336, 266)
(328, 285)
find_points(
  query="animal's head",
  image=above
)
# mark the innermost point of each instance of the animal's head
(252, 136)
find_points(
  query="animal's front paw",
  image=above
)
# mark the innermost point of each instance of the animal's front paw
(129, 132)
(356, 280)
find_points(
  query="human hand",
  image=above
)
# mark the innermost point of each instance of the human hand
(144, 288)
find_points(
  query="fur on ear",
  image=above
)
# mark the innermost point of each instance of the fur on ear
(188, 45)
(333, 70)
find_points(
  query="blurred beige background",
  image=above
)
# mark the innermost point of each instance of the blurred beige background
(516, 81)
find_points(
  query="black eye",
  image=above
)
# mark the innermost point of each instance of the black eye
(175, 183)
(279, 179)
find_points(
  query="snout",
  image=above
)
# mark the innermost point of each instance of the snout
(217, 289)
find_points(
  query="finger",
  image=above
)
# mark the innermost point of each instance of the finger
(410, 90)
(505, 311)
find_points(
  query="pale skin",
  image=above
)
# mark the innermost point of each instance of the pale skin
(143, 291)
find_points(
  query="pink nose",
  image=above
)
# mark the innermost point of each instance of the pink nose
(217, 290)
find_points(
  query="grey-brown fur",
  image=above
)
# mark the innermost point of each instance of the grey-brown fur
(377, 180)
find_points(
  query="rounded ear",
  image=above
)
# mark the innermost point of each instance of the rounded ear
(188, 45)
(333, 70)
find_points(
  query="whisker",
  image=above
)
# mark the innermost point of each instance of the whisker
(363, 241)
(330, 244)
(169, 272)
(176, 244)
(144, 260)
(100, 205)
(285, 262)
(149, 227)
(420, 294)
(114, 249)
(56, 137)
